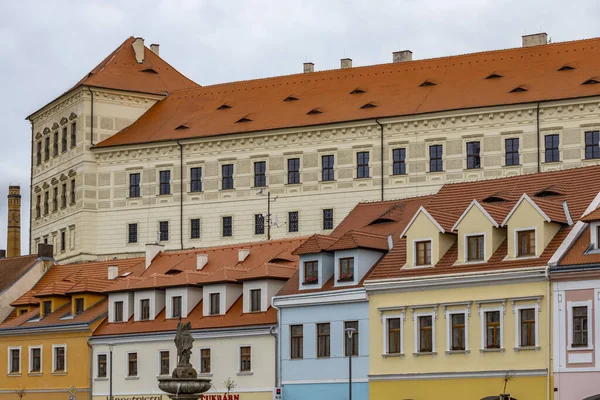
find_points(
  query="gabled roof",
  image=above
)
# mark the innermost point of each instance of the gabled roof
(395, 88)
(54, 289)
(270, 270)
(357, 239)
(526, 198)
(579, 253)
(423, 211)
(485, 212)
(592, 216)
(315, 244)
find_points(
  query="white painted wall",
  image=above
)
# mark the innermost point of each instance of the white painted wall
(157, 302)
(229, 293)
(190, 297)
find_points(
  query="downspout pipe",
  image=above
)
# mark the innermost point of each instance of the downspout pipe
(537, 116)
(31, 187)
(180, 193)
(273, 332)
(381, 156)
(91, 366)
(92, 117)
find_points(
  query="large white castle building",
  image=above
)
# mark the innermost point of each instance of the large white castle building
(137, 153)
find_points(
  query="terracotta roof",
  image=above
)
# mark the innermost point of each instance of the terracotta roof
(28, 298)
(553, 209)
(593, 216)
(579, 253)
(57, 318)
(90, 285)
(54, 289)
(315, 244)
(13, 268)
(271, 271)
(356, 239)
(396, 89)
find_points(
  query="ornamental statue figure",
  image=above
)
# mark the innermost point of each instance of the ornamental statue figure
(183, 342)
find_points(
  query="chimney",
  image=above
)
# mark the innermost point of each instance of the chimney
(13, 237)
(113, 272)
(201, 261)
(45, 250)
(138, 48)
(401, 56)
(309, 67)
(345, 63)
(2, 254)
(154, 48)
(152, 250)
(243, 254)
(535, 39)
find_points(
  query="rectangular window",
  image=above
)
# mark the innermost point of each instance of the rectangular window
(255, 297)
(346, 272)
(296, 342)
(393, 331)
(260, 177)
(552, 151)
(72, 191)
(512, 151)
(293, 170)
(362, 164)
(323, 340)
(55, 145)
(132, 369)
(196, 179)
(102, 363)
(59, 359)
(492, 329)
(118, 311)
(74, 134)
(227, 178)
(195, 234)
(580, 327)
(475, 248)
(423, 250)
(165, 182)
(63, 196)
(592, 145)
(425, 334)
(79, 305)
(597, 237)
(132, 234)
(311, 272)
(15, 361)
(64, 140)
(205, 361)
(259, 224)
(435, 158)
(164, 363)
(38, 206)
(245, 359)
(328, 218)
(215, 303)
(527, 321)
(293, 221)
(36, 360)
(38, 154)
(227, 226)
(327, 173)
(352, 341)
(457, 331)
(47, 148)
(399, 159)
(176, 307)
(163, 227)
(55, 199)
(526, 243)
(144, 309)
(134, 185)
(473, 157)
(47, 307)
(63, 240)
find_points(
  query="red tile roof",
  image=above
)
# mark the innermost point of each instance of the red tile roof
(357, 239)
(315, 244)
(579, 253)
(592, 216)
(460, 82)
(54, 289)
(271, 271)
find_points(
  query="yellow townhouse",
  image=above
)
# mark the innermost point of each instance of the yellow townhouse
(460, 308)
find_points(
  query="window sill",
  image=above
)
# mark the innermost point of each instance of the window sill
(346, 279)
(205, 375)
(132, 378)
(576, 347)
(294, 184)
(329, 181)
(164, 195)
(133, 197)
(425, 353)
(226, 190)
(498, 350)
(14, 374)
(449, 352)
(310, 283)
(35, 374)
(59, 373)
(436, 172)
(473, 169)
(100, 379)
(192, 192)
(512, 166)
(362, 178)
(244, 373)
(393, 355)
(526, 348)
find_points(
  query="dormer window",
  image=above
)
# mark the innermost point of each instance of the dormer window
(176, 306)
(47, 307)
(79, 305)
(215, 303)
(346, 272)
(255, 295)
(526, 243)
(118, 311)
(423, 252)
(311, 272)
(598, 237)
(475, 248)
(144, 309)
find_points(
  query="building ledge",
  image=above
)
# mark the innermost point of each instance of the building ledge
(448, 352)
(425, 353)
(244, 373)
(401, 355)
(526, 348)
(132, 378)
(500, 350)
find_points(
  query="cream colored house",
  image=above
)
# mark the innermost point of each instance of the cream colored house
(192, 168)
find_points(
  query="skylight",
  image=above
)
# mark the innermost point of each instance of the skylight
(150, 70)
(494, 76)
(358, 91)
(518, 89)
(428, 83)
(494, 199)
(381, 221)
(314, 111)
(243, 119)
(224, 107)
(547, 193)
(369, 105)
(290, 98)
(590, 82)
(566, 68)
(181, 127)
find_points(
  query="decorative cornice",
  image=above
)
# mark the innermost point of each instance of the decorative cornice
(330, 297)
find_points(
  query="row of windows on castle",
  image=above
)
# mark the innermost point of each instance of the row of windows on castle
(67, 192)
(60, 145)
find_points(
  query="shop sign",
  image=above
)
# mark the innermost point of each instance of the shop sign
(224, 396)
(138, 397)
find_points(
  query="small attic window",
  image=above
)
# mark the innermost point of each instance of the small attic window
(369, 105)
(173, 272)
(243, 119)
(182, 127)
(518, 89)
(150, 71)
(290, 98)
(381, 221)
(358, 91)
(428, 83)
(224, 107)
(126, 274)
(494, 199)
(493, 76)
(315, 111)
(591, 82)
(566, 68)
(548, 193)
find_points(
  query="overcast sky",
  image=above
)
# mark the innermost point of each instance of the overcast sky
(46, 46)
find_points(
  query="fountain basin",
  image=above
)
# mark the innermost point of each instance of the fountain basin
(184, 388)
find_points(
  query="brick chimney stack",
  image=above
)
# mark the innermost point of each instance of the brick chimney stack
(13, 237)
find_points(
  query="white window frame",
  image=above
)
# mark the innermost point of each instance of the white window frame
(517, 310)
(385, 319)
(417, 331)
(98, 365)
(159, 361)
(483, 331)
(516, 242)
(466, 248)
(594, 239)
(41, 347)
(10, 348)
(128, 375)
(570, 306)
(239, 369)
(54, 347)
(448, 317)
(200, 362)
(414, 255)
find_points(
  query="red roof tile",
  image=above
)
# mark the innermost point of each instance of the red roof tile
(592, 216)
(270, 271)
(579, 253)
(314, 244)
(357, 239)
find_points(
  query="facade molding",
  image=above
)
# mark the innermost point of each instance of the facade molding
(330, 297)
(456, 375)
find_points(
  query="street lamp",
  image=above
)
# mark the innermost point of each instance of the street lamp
(350, 332)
